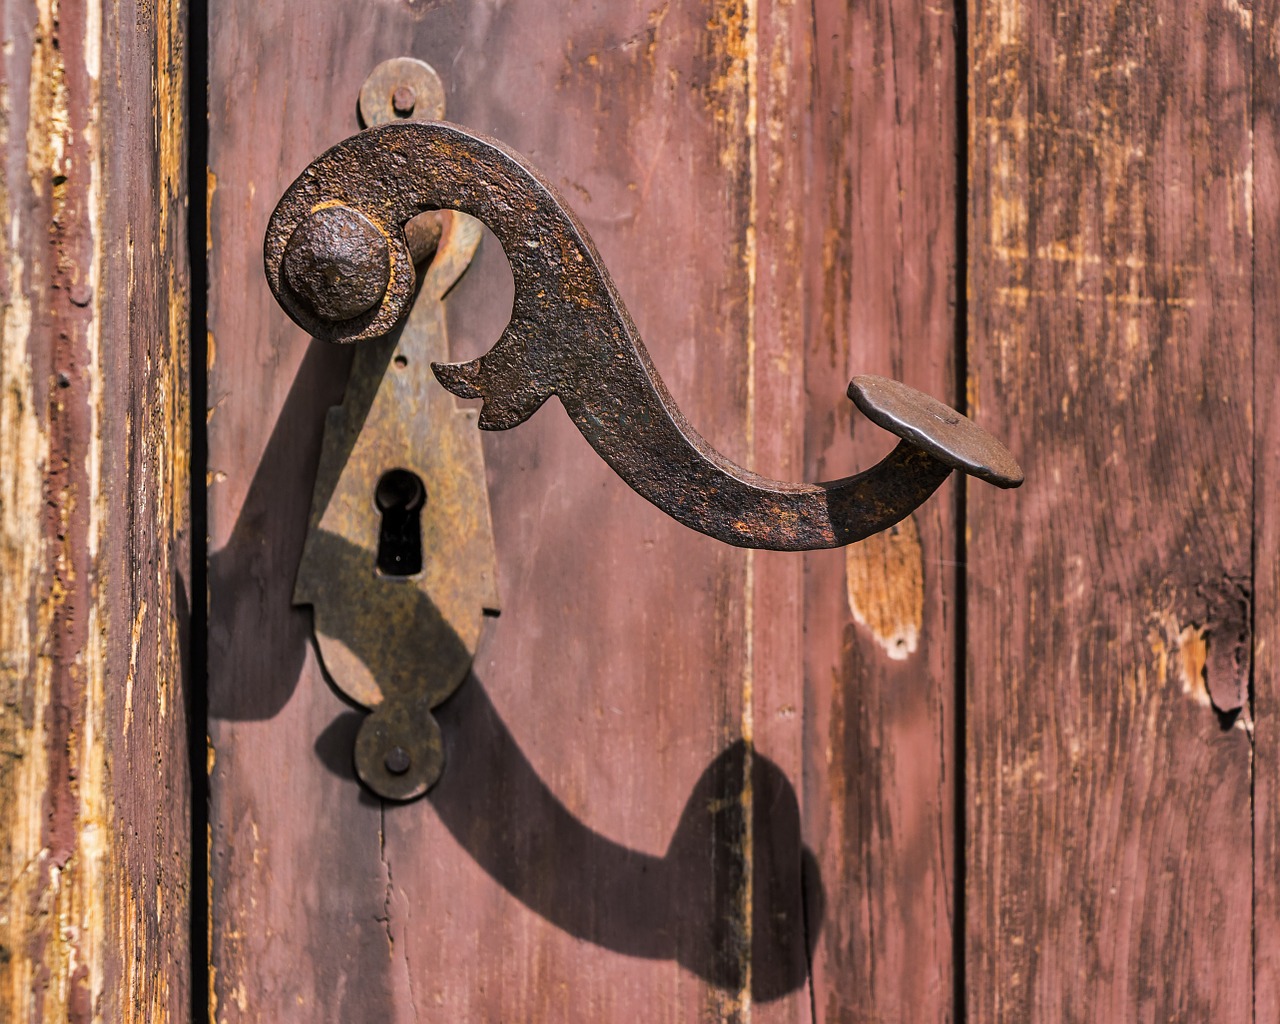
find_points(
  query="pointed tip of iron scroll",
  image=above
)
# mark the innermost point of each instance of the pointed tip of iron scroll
(461, 379)
(922, 420)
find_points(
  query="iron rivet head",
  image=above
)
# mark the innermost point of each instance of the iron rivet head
(397, 760)
(338, 262)
(403, 100)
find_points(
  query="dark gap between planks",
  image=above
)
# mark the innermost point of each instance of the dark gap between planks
(961, 402)
(197, 671)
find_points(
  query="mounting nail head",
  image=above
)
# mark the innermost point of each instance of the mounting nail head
(403, 100)
(397, 760)
(399, 751)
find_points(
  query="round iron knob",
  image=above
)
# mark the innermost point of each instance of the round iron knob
(338, 263)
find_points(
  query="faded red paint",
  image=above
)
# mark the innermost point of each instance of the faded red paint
(1112, 333)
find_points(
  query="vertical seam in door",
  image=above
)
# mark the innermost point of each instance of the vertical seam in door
(201, 920)
(1253, 536)
(961, 581)
(751, 19)
(812, 163)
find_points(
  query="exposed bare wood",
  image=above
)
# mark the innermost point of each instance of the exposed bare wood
(94, 445)
(1111, 340)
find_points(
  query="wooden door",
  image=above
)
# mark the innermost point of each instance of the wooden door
(1002, 763)
(682, 781)
(1013, 760)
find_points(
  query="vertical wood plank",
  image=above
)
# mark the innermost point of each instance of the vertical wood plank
(1108, 606)
(786, 897)
(94, 441)
(1266, 523)
(880, 616)
(297, 888)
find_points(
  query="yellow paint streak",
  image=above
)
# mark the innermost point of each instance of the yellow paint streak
(731, 91)
(733, 103)
(167, 100)
(884, 578)
(171, 435)
(33, 891)
(210, 900)
(211, 186)
(750, 59)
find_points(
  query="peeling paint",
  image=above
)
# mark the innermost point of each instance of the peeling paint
(135, 642)
(731, 93)
(884, 578)
(77, 941)
(1242, 13)
(23, 444)
(1181, 656)
(1192, 654)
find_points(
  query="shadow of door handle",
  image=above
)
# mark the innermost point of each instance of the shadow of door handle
(338, 262)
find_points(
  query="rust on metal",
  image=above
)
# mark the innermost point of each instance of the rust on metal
(401, 87)
(571, 336)
(923, 421)
(401, 644)
(337, 263)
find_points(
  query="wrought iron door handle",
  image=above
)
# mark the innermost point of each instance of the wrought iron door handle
(338, 262)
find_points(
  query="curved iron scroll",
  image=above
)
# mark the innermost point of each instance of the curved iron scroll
(336, 247)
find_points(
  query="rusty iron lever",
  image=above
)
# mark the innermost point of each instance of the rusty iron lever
(338, 262)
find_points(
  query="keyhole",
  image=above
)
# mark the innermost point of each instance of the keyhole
(400, 497)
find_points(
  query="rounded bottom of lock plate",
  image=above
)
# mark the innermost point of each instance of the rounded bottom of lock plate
(399, 754)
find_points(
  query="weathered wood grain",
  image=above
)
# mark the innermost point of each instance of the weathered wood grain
(1111, 338)
(789, 911)
(94, 456)
(607, 838)
(880, 616)
(1265, 679)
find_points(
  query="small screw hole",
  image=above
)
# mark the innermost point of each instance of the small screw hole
(401, 361)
